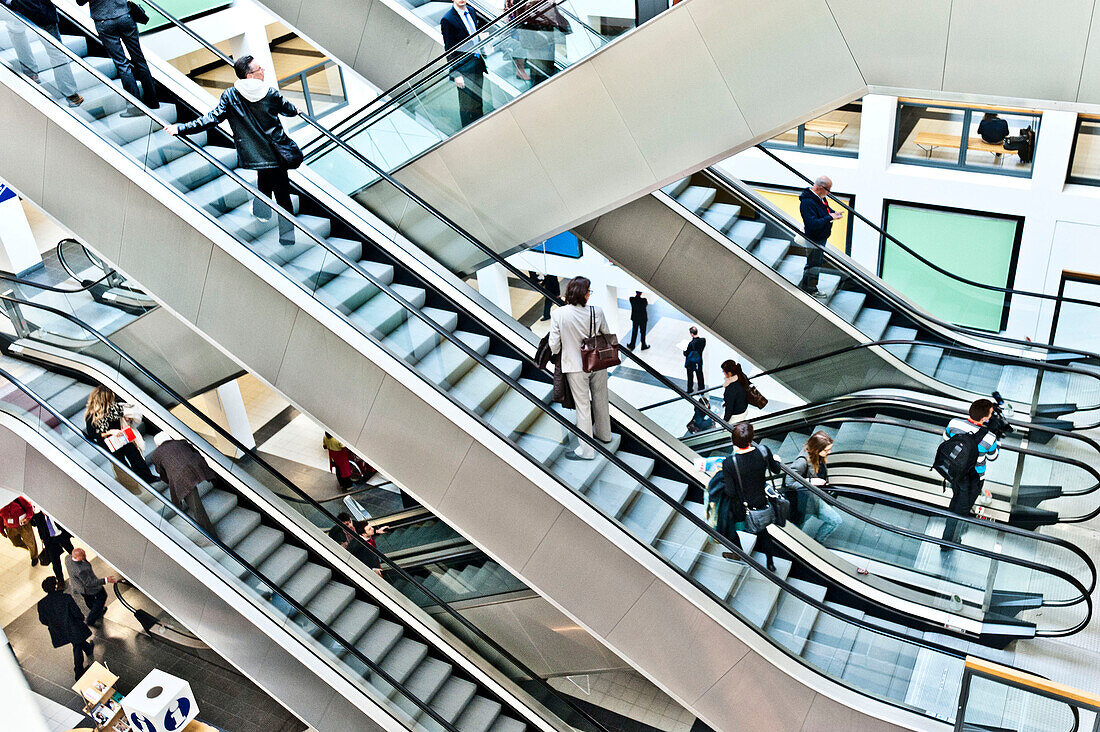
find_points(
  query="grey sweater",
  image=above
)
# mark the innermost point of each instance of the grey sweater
(106, 9)
(83, 576)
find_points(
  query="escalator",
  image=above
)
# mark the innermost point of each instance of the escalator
(258, 541)
(491, 390)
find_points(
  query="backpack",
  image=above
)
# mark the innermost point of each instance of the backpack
(957, 456)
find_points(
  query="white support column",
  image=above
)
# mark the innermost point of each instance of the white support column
(607, 297)
(492, 283)
(18, 250)
(229, 394)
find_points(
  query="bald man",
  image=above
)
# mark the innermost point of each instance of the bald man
(817, 223)
(83, 580)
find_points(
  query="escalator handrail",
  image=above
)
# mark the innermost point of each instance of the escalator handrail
(887, 293)
(450, 223)
(84, 287)
(568, 426)
(396, 93)
(302, 496)
(183, 516)
(1011, 359)
(94, 259)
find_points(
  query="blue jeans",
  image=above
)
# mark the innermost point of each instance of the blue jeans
(115, 33)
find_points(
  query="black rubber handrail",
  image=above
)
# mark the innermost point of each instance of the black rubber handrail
(69, 270)
(272, 587)
(595, 444)
(878, 285)
(303, 497)
(84, 287)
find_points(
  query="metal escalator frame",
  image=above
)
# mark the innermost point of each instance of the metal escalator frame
(595, 444)
(877, 285)
(305, 498)
(193, 524)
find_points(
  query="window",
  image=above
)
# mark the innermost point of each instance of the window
(948, 136)
(1076, 325)
(835, 133)
(785, 198)
(1084, 162)
(978, 247)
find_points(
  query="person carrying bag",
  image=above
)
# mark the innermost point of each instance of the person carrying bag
(746, 471)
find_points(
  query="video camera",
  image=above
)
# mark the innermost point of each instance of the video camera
(997, 423)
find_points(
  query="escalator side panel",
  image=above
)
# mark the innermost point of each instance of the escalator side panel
(174, 580)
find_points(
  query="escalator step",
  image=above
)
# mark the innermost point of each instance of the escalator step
(448, 363)
(349, 290)
(238, 524)
(480, 388)
(696, 198)
(283, 563)
(745, 234)
(307, 582)
(453, 697)
(352, 623)
(381, 315)
(479, 715)
(721, 216)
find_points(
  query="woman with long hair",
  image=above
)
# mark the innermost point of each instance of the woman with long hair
(736, 392)
(569, 325)
(104, 418)
(811, 465)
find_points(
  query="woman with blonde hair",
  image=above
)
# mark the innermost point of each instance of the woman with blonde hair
(810, 464)
(104, 418)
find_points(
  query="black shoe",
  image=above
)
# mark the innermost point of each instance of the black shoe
(34, 561)
(944, 548)
(630, 346)
(770, 565)
(731, 556)
(132, 111)
(286, 243)
(645, 348)
(153, 104)
(571, 455)
(74, 100)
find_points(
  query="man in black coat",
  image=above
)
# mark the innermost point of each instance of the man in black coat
(43, 14)
(55, 540)
(693, 359)
(817, 222)
(457, 25)
(58, 612)
(639, 319)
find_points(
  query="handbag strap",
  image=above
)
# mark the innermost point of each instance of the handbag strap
(737, 475)
(592, 321)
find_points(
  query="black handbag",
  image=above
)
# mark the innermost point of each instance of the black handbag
(137, 13)
(756, 519)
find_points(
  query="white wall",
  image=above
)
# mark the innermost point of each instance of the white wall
(1061, 222)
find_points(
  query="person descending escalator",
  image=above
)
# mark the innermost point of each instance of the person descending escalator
(253, 108)
(968, 444)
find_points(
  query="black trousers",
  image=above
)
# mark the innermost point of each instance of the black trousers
(115, 33)
(471, 108)
(131, 456)
(192, 505)
(963, 495)
(80, 650)
(815, 260)
(274, 183)
(694, 372)
(97, 606)
(637, 327)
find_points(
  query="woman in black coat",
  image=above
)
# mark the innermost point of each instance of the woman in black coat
(59, 613)
(745, 471)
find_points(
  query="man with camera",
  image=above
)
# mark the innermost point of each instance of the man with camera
(977, 436)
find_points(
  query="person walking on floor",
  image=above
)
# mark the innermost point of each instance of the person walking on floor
(55, 541)
(970, 483)
(59, 613)
(253, 108)
(639, 319)
(83, 580)
(16, 517)
(187, 474)
(569, 325)
(116, 29)
(810, 464)
(817, 223)
(43, 14)
(460, 26)
(553, 287)
(693, 359)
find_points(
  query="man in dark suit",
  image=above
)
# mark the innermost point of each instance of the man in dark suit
(460, 25)
(693, 358)
(55, 540)
(639, 319)
(58, 612)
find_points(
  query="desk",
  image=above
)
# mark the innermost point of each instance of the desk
(828, 129)
(929, 141)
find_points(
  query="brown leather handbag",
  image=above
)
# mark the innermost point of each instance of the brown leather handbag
(598, 352)
(754, 397)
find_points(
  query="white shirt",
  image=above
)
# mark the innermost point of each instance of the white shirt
(569, 325)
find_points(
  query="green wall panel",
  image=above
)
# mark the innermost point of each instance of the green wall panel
(979, 248)
(182, 9)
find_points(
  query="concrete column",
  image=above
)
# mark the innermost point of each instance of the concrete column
(232, 403)
(607, 297)
(18, 250)
(492, 283)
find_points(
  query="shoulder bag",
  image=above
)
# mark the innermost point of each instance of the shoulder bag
(756, 519)
(753, 395)
(598, 352)
(286, 150)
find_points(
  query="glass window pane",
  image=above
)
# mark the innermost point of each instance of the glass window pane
(988, 132)
(836, 131)
(1086, 154)
(932, 134)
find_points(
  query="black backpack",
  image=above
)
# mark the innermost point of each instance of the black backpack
(957, 456)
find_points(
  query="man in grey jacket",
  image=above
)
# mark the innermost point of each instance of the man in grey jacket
(83, 580)
(117, 29)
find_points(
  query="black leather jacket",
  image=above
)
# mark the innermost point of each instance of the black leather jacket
(256, 126)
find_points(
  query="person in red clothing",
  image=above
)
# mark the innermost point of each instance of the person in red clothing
(17, 527)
